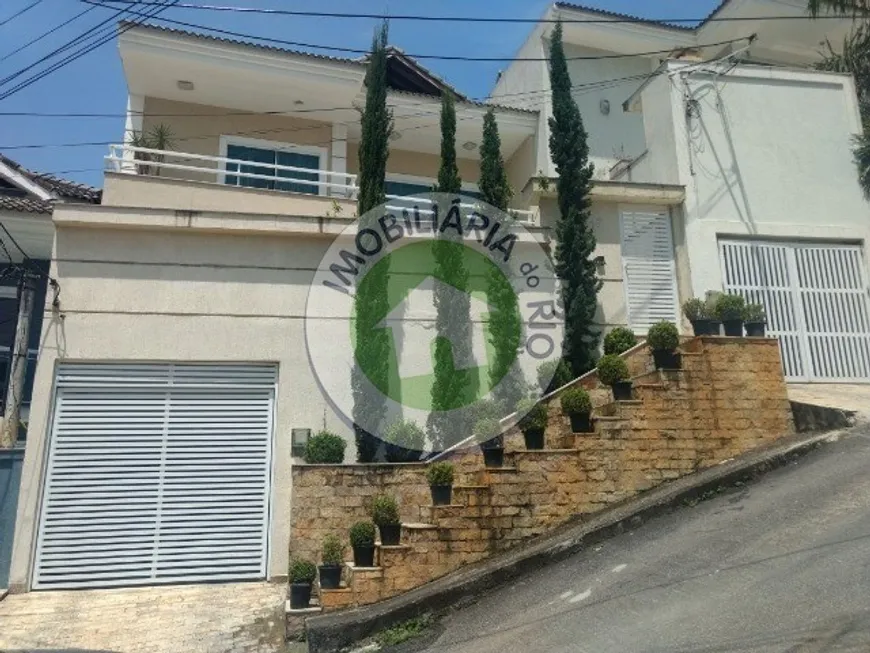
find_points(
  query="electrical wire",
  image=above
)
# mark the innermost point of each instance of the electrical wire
(19, 13)
(47, 33)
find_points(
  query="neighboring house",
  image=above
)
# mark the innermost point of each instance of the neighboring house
(167, 396)
(759, 145)
(26, 201)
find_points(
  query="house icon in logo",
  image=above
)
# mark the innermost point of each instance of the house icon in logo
(414, 329)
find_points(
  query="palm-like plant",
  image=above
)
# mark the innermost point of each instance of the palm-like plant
(854, 7)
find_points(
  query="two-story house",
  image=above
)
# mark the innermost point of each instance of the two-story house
(173, 376)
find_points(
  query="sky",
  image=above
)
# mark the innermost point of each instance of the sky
(95, 82)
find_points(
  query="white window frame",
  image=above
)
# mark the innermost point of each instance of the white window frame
(321, 152)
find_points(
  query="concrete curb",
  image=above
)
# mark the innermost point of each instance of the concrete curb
(331, 633)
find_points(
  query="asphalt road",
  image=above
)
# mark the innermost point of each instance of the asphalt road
(781, 565)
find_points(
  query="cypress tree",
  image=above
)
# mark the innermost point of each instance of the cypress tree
(372, 346)
(504, 319)
(575, 241)
(452, 310)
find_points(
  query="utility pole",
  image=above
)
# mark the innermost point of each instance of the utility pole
(18, 362)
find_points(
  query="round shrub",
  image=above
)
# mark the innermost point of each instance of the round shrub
(552, 375)
(575, 401)
(325, 448)
(619, 340)
(362, 534)
(302, 571)
(729, 307)
(440, 474)
(533, 415)
(385, 510)
(487, 429)
(332, 552)
(696, 309)
(754, 314)
(612, 369)
(405, 440)
(663, 336)
(487, 409)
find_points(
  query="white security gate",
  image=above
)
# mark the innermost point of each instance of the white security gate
(157, 473)
(816, 297)
(648, 268)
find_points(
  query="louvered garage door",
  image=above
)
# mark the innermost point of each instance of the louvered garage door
(157, 473)
(816, 297)
(648, 268)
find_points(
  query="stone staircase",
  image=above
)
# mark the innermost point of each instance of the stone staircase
(728, 398)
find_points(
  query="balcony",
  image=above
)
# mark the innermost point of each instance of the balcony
(143, 177)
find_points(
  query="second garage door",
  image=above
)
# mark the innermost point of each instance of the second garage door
(157, 473)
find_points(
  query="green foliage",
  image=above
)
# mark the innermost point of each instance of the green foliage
(404, 631)
(612, 369)
(440, 474)
(553, 374)
(302, 571)
(332, 552)
(385, 510)
(754, 314)
(325, 448)
(619, 340)
(575, 400)
(372, 346)
(534, 415)
(696, 309)
(663, 336)
(844, 7)
(406, 433)
(159, 137)
(486, 409)
(486, 429)
(362, 534)
(729, 307)
(575, 241)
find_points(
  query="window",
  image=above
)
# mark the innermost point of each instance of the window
(402, 185)
(272, 155)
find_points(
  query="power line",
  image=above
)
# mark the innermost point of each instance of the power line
(19, 13)
(44, 34)
(614, 19)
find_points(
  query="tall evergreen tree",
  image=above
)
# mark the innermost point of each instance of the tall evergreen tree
(372, 346)
(505, 323)
(452, 322)
(575, 240)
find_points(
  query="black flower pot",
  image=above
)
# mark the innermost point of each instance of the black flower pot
(622, 391)
(666, 359)
(493, 457)
(715, 327)
(390, 534)
(441, 494)
(363, 556)
(399, 454)
(581, 422)
(702, 327)
(330, 577)
(755, 329)
(300, 595)
(534, 439)
(733, 328)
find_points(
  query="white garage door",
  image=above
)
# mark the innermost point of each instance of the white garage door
(816, 296)
(157, 473)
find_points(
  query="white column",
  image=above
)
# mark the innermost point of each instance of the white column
(338, 160)
(132, 125)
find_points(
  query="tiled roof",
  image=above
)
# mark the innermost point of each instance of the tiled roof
(62, 189)
(638, 19)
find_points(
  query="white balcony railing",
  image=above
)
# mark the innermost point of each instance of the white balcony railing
(238, 172)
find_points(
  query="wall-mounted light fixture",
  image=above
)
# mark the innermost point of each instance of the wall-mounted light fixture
(604, 105)
(184, 85)
(599, 264)
(298, 442)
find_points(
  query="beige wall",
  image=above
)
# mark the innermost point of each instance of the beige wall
(415, 163)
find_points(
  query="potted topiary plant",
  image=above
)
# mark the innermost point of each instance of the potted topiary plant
(729, 309)
(698, 313)
(440, 477)
(325, 448)
(362, 541)
(385, 514)
(405, 441)
(663, 339)
(620, 340)
(578, 406)
(487, 432)
(553, 374)
(532, 422)
(331, 557)
(302, 573)
(613, 371)
(754, 319)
